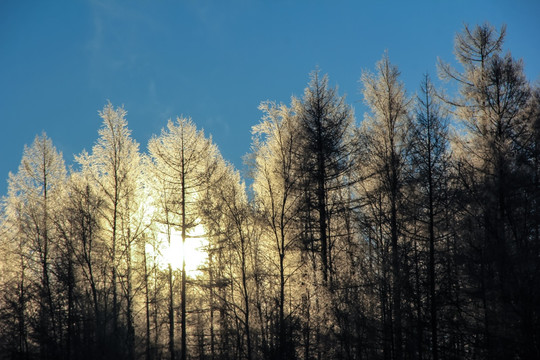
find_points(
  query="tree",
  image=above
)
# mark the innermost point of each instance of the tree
(326, 127)
(276, 181)
(430, 169)
(230, 219)
(414, 236)
(493, 95)
(79, 223)
(384, 135)
(183, 159)
(37, 186)
(114, 168)
(527, 249)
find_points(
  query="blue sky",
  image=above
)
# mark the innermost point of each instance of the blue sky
(215, 61)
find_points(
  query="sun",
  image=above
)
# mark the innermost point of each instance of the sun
(195, 255)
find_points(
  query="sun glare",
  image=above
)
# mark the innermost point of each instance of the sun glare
(195, 255)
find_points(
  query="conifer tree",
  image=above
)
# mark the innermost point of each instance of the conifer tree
(183, 159)
(325, 159)
(430, 172)
(493, 95)
(385, 142)
(38, 186)
(114, 167)
(276, 180)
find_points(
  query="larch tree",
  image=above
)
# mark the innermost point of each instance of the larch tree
(303, 174)
(414, 236)
(384, 135)
(325, 157)
(15, 318)
(164, 217)
(213, 207)
(430, 171)
(81, 227)
(493, 95)
(38, 185)
(182, 159)
(229, 217)
(276, 180)
(114, 167)
(527, 250)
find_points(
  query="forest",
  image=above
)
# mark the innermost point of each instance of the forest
(412, 233)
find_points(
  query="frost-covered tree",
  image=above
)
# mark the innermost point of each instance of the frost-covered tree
(183, 159)
(35, 193)
(276, 180)
(85, 257)
(493, 95)
(385, 149)
(232, 266)
(405, 238)
(429, 196)
(114, 167)
(15, 279)
(325, 156)
(303, 162)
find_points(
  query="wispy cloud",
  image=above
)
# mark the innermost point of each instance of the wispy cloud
(114, 43)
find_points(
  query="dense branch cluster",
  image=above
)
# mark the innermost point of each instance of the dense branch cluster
(413, 234)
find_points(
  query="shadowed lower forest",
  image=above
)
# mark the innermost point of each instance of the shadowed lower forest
(411, 234)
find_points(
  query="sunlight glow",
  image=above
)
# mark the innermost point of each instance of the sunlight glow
(195, 254)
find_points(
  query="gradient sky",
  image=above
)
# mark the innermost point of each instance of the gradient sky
(214, 61)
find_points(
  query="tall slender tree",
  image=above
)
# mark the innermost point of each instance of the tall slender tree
(493, 95)
(325, 157)
(430, 169)
(114, 168)
(15, 280)
(385, 134)
(183, 158)
(38, 184)
(80, 224)
(276, 181)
